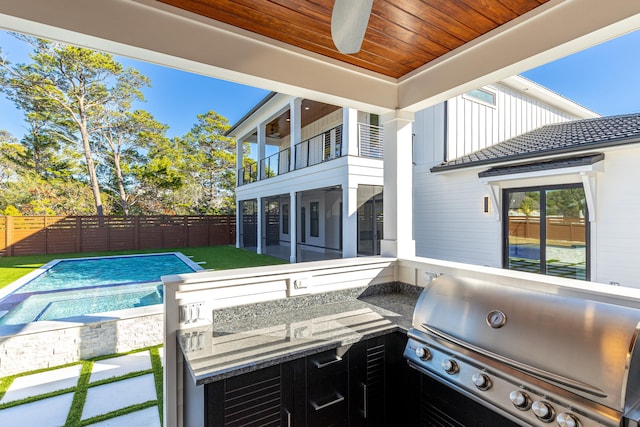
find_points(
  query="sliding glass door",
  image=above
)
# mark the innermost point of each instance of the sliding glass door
(546, 231)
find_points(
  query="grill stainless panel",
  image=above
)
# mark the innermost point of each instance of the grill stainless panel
(579, 355)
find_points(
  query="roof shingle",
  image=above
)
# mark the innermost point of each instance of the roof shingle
(569, 137)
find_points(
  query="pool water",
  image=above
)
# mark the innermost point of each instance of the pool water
(76, 287)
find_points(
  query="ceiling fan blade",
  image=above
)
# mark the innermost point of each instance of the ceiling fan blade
(348, 24)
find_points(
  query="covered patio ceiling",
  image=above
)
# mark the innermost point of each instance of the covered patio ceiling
(416, 52)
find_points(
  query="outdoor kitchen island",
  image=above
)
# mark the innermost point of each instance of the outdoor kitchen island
(338, 362)
(326, 343)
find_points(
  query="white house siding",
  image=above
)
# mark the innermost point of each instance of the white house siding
(449, 222)
(323, 124)
(474, 125)
(617, 227)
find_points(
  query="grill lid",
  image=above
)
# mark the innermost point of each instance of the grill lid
(583, 345)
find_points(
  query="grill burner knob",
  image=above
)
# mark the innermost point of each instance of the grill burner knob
(543, 411)
(520, 400)
(565, 419)
(423, 353)
(450, 366)
(482, 381)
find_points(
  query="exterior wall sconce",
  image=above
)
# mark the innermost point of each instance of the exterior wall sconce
(485, 204)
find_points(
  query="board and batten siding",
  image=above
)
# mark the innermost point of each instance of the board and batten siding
(474, 125)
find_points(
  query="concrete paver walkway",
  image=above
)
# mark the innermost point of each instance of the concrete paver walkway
(123, 389)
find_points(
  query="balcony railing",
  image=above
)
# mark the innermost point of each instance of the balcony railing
(370, 141)
(248, 174)
(320, 148)
(276, 164)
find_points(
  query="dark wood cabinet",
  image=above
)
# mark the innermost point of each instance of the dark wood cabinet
(263, 397)
(327, 391)
(367, 380)
(366, 384)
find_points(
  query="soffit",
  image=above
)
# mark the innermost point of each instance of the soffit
(402, 35)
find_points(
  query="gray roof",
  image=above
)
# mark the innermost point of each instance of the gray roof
(563, 138)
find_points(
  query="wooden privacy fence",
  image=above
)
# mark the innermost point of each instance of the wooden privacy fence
(38, 235)
(558, 229)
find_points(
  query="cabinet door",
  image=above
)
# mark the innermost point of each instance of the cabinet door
(403, 384)
(260, 398)
(367, 383)
(327, 388)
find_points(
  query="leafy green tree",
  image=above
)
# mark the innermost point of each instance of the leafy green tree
(568, 202)
(80, 87)
(213, 153)
(121, 143)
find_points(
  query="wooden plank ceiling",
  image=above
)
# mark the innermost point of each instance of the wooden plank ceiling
(402, 34)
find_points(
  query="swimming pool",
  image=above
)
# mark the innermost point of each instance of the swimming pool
(80, 286)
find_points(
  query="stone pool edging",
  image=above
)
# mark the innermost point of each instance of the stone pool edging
(46, 344)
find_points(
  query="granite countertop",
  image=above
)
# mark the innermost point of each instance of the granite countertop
(247, 343)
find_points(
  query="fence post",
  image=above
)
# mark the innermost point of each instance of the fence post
(9, 235)
(229, 230)
(136, 232)
(185, 222)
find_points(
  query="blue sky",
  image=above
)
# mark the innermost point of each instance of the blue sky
(603, 79)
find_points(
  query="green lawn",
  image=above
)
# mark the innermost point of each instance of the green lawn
(215, 257)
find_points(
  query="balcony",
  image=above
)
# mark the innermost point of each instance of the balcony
(320, 148)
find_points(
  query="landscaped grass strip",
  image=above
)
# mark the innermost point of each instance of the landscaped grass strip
(158, 376)
(77, 405)
(113, 414)
(5, 383)
(31, 399)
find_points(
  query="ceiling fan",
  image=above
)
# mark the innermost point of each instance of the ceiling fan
(349, 21)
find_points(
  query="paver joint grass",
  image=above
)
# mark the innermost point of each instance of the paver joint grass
(74, 417)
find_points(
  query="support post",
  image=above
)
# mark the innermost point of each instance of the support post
(350, 218)
(295, 126)
(398, 186)
(262, 142)
(350, 132)
(293, 227)
(260, 225)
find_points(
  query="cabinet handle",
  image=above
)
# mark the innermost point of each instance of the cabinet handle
(339, 398)
(365, 408)
(288, 417)
(321, 365)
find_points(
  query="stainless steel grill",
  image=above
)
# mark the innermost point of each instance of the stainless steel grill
(534, 356)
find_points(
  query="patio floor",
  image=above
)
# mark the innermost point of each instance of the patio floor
(120, 392)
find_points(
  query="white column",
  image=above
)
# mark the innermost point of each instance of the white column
(239, 158)
(350, 220)
(398, 187)
(295, 128)
(293, 226)
(262, 142)
(350, 132)
(238, 222)
(260, 224)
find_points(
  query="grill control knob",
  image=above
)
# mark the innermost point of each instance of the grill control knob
(565, 419)
(482, 381)
(520, 400)
(423, 353)
(450, 366)
(543, 411)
